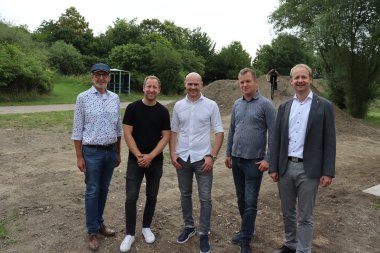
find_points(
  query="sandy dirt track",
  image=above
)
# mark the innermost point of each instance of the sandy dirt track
(41, 194)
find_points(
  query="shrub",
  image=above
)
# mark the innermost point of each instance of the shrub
(22, 70)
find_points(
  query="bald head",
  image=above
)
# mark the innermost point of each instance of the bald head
(194, 76)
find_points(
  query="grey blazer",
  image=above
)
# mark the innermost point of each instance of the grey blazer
(319, 151)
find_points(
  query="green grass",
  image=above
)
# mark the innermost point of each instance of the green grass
(66, 90)
(4, 234)
(373, 117)
(57, 121)
(3, 230)
(60, 121)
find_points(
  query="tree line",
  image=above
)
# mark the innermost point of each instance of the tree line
(338, 38)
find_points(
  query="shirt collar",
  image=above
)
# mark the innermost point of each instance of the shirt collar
(257, 95)
(191, 101)
(309, 96)
(95, 91)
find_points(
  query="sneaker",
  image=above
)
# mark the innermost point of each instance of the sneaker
(285, 249)
(204, 245)
(148, 235)
(186, 234)
(126, 244)
(236, 238)
(245, 247)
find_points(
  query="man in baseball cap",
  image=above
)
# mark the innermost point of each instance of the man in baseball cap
(96, 134)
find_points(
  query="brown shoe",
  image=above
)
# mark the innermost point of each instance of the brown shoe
(106, 231)
(93, 242)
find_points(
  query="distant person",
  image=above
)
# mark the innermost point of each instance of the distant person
(191, 152)
(302, 157)
(252, 121)
(272, 76)
(146, 126)
(96, 134)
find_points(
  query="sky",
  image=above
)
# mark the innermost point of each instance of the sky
(224, 21)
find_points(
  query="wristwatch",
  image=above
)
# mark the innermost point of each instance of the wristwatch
(212, 157)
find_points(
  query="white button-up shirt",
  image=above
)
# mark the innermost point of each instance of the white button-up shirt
(193, 122)
(299, 114)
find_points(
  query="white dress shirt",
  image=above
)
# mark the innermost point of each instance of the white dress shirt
(193, 121)
(299, 114)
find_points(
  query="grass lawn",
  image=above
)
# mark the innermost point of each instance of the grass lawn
(66, 93)
(373, 117)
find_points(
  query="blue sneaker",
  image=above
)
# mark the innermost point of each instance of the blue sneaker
(245, 247)
(204, 245)
(186, 234)
(236, 238)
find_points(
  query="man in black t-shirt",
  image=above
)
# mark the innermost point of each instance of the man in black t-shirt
(146, 126)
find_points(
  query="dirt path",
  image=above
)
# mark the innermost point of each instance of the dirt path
(41, 194)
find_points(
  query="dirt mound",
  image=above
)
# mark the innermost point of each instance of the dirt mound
(225, 92)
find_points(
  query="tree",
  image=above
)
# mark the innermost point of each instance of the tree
(346, 35)
(203, 46)
(23, 72)
(191, 62)
(66, 59)
(23, 63)
(228, 63)
(174, 34)
(124, 32)
(284, 52)
(71, 27)
(134, 58)
(201, 43)
(166, 65)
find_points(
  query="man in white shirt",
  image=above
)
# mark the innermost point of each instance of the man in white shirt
(191, 152)
(302, 158)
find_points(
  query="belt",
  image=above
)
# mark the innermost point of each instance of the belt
(295, 159)
(108, 146)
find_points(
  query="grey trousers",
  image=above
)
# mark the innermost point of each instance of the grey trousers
(296, 188)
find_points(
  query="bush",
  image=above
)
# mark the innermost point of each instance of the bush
(22, 70)
(66, 59)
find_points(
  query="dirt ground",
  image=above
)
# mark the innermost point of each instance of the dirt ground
(41, 194)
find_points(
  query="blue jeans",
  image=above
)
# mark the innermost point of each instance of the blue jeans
(100, 164)
(135, 175)
(185, 183)
(247, 179)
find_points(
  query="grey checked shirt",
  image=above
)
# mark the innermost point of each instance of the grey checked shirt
(250, 123)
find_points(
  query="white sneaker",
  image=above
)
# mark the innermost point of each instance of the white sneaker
(148, 235)
(126, 244)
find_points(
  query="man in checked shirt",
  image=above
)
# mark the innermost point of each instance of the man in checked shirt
(96, 133)
(252, 121)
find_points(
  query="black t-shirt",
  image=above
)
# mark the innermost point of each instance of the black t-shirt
(147, 122)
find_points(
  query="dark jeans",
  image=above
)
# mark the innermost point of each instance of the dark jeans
(247, 179)
(100, 164)
(135, 175)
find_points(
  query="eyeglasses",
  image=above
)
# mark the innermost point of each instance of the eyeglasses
(98, 75)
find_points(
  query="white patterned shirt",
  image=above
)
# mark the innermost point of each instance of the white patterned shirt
(97, 118)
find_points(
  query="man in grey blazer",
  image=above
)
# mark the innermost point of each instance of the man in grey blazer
(302, 157)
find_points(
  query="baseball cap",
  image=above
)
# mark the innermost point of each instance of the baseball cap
(100, 67)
